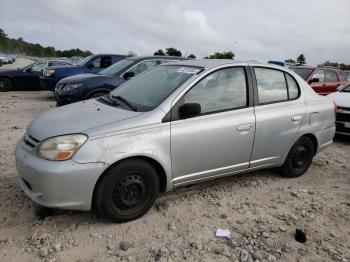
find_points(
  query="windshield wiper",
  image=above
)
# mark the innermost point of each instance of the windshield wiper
(126, 102)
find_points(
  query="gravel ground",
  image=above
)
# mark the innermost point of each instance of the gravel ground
(262, 210)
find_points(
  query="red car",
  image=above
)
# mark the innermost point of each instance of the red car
(324, 80)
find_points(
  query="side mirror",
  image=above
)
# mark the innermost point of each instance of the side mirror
(128, 75)
(190, 110)
(314, 80)
(29, 70)
(90, 65)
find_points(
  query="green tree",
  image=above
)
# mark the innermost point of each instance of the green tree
(223, 55)
(191, 56)
(301, 59)
(173, 52)
(290, 60)
(19, 46)
(159, 52)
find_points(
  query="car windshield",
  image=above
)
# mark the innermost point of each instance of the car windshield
(346, 89)
(117, 67)
(303, 72)
(84, 61)
(147, 91)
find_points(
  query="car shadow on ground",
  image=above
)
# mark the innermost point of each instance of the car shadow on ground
(247, 179)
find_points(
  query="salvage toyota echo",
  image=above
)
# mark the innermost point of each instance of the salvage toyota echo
(176, 124)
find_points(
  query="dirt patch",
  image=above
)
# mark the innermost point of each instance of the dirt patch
(262, 211)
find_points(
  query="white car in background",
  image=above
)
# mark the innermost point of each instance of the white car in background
(342, 99)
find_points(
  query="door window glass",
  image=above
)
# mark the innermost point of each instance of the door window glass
(271, 85)
(221, 90)
(141, 67)
(320, 75)
(292, 87)
(331, 76)
(38, 67)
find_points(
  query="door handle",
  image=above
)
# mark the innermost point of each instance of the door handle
(297, 118)
(246, 127)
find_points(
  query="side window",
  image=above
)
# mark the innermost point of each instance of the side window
(38, 67)
(293, 88)
(143, 66)
(106, 61)
(96, 63)
(221, 90)
(320, 75)
(271, 85)
(331, 76)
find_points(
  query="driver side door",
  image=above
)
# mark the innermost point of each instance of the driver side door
(219, 140)
(29, 78)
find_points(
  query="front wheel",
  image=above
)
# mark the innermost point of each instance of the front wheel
(127, 191)
(299, 158)
(5, 85)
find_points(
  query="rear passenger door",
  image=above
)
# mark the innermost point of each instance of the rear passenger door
(279, 112)
(331, 82)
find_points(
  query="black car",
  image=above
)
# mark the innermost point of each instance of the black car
(27, 77)
(84, 86)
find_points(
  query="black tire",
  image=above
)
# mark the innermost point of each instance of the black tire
(5, 85)
(299, 158)
(127, 191)
(97, 94)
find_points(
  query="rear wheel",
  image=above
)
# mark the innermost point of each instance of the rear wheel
(299, 158)
(5, 84)
(127, 191)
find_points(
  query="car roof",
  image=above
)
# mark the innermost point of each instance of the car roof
(210, 63)
(139, 58)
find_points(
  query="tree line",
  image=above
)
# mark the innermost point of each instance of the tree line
(19, 46)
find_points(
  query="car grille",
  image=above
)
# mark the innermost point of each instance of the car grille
(340, 127)
(59, 87)
(343, 115)
(30, 141)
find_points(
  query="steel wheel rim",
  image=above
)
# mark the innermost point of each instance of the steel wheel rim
(300, 156)
(130, 192)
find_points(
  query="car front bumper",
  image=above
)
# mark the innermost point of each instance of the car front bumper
(342, 128)
(56, 184)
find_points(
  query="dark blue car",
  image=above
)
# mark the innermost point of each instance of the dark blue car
(84, 86)
(91, 64)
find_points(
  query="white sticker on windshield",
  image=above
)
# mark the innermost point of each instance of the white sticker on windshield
(188, 70)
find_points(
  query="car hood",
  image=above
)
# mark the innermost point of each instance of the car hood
(81, 78)
(77, 118)
(341, 98)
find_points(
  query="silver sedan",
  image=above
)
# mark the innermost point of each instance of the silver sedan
(176, 124)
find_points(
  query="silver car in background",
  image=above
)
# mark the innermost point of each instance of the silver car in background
(174, 125)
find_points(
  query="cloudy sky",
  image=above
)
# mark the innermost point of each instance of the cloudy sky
(252, 29)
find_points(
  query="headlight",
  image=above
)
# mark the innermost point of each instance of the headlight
(72, 86)
(49, 72)
(61, 147)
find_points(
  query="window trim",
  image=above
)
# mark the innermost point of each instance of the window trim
(173, 115)
(256, 90)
